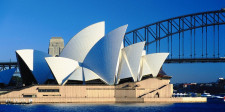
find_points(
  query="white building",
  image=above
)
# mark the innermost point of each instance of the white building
(91, 57)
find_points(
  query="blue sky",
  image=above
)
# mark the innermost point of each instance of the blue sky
(29, 24)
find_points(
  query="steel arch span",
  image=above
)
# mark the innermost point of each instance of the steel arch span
(197, 37)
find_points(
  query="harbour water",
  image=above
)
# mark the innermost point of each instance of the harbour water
(137, 107)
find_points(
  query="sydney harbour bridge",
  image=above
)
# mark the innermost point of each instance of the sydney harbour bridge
(192, 38)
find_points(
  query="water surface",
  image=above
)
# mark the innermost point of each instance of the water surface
(137, 107)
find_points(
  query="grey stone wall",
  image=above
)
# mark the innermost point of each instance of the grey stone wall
(56, 45)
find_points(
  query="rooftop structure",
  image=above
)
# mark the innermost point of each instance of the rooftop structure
(56, 45)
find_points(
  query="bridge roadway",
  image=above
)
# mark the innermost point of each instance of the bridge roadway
(196, 60)
(10, 65)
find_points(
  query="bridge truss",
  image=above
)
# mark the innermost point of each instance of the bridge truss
(189, 38)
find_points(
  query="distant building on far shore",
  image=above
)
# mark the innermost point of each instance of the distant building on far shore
(55, 46)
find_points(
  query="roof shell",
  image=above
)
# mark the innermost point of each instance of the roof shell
(35, 60)
(103, 57)
(152, 63)
(130, 63)
(61, 68)
(79, 46)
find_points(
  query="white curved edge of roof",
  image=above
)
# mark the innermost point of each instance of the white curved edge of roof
(118, 66)
(28, 57)
(117, 81)
(61, 68)
(90, 75)
(132, 55)
(103, 57)
(77, 74)
(145, 69)
(79, 46)
(6, 75)
(155, 62)
(143, 52)
(125, 69)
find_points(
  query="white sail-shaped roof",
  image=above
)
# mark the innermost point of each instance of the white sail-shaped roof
(130, 65)
(77, 75)
(103, 57)
(124, 69)
(83, 74)
(145, 69)
(6, 75)
(27, 56)
(153, 63)
(35, 60)
(61, 68)
(119, 64)
(90, 75)
(79, 46)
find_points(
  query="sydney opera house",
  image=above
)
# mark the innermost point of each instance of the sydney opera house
(93, 65)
